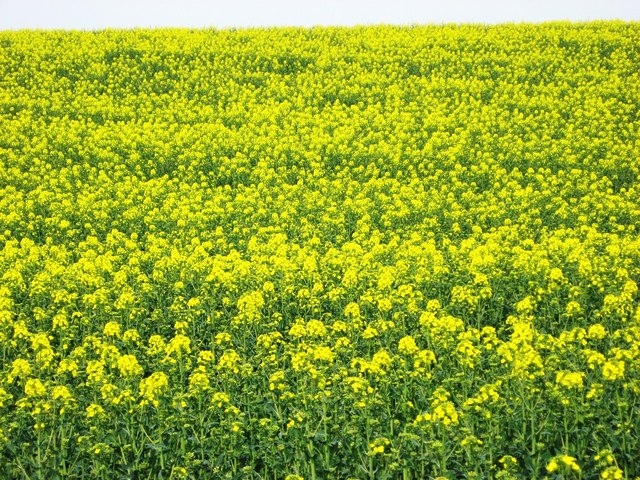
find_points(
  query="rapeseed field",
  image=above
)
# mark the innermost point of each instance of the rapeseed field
(330, 253)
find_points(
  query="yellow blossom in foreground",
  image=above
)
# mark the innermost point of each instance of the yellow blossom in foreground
(222, 337)
(565, 461)
(61, 392)
(229, 362)
(156, 345)
(570, 379)
(178, 346)
(128, 366)
(68, 365)
(613, 370)
(612, 473)
(5, 397)
(407, 345)
(369, 333)
(152, 387)
(378, 446)
(198, 381)
(34, 388)
(323, 354)
(219, 399)
(94, 410)
(445, 413)
(596, 332)
(20, 368)
(205, 357)
(95, 371)
(112, 329)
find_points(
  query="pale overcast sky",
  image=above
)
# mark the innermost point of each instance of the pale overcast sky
(97, 14)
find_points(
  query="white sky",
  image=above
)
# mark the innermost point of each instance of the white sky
(97, 14)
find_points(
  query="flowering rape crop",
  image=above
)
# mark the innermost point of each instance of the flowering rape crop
(370, 252)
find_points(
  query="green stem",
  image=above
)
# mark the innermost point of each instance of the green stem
(312, 464)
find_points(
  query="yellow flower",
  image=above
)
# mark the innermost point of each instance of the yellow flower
(152, 387)
(250, 307)
(380, 362)
(222, 337)
(315, 328)
(323, 354)
(596, 332)
(595, 392)
(205, 357)
(612, 473)
(565, 461)
(178, 346)
(34, 388)
(20, 330)
(219, 399)
(556, 275)
(5, 397)
(131, 336)
(61, 392)
(128, 366)
(445, 413)
(339, 326)
(40, 341)
(94, 410)
(268, 287)
(525, 306)
(384, 305)
(20, 368)
(508, 462)
(352, 311)
(378, 446)
(198, 381)
(570, 379)
(613, 370)
(277, 380)
(108, 392)
(156, 345)
(471, 440)
(573, 308)
(369, 333)
(422, 418)
(229, 362)
(111, 329)
(570, 462)
(552, 466)
(407, 345)
(95, 371)
(68, 365)
(298, 330)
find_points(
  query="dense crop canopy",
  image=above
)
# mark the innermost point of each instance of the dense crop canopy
(372, 252)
